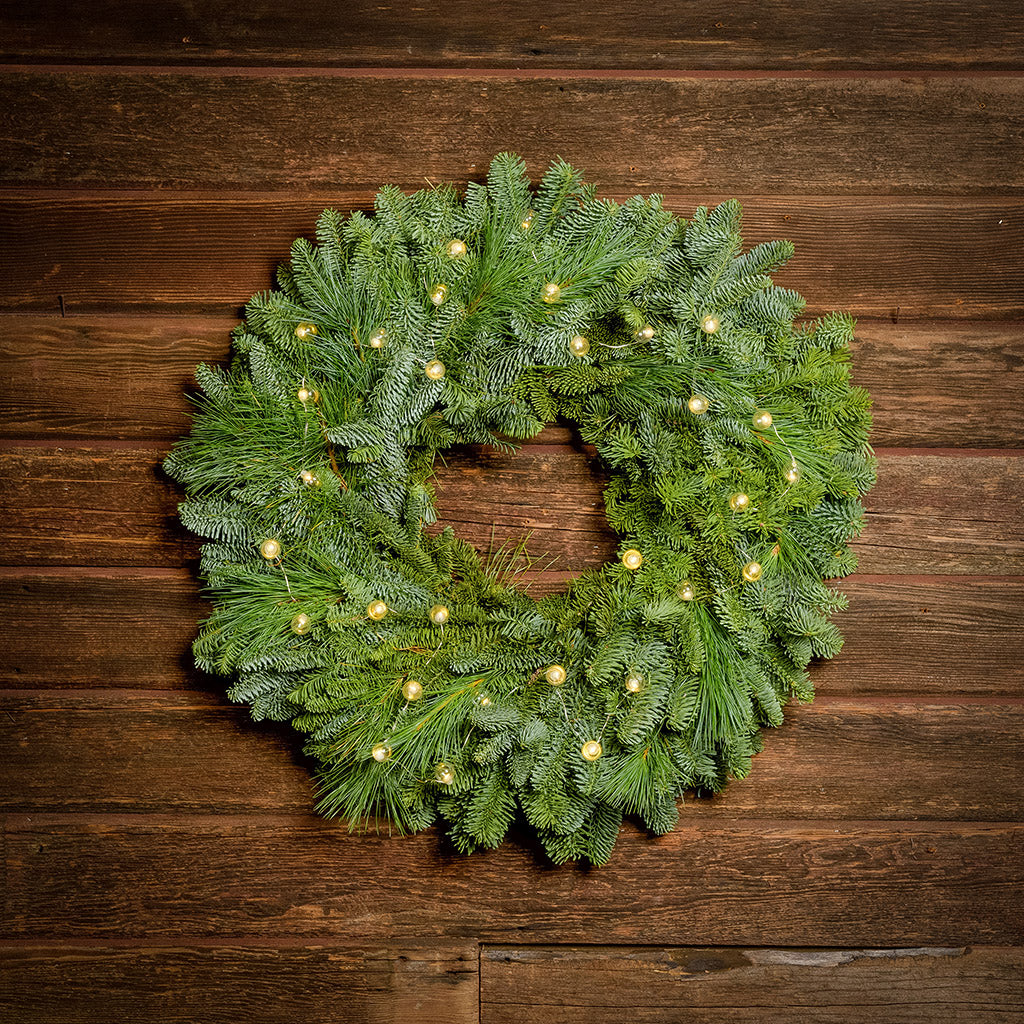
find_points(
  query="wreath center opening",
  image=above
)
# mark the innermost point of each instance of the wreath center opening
(536, 515)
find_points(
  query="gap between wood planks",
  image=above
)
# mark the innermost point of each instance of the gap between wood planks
(137, 444)
(214, 70)
(178, 574)
(105, 698)
(27, 821)
(362, 197)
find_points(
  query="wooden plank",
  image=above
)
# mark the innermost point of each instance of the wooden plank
(855, 135)
(929, 636)
(98, 616)
(823, 763)
(126, 378)
(912, 526)
(916, 519)
(103, 377)
(104, 506)
(132, 252)
(107, 505)
(755, 882)
(922, 377)
(905, 638)
(189, 753)
(326, 983)
(606, 984)
(710, 35)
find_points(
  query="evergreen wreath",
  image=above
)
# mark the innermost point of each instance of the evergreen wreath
(430, 684)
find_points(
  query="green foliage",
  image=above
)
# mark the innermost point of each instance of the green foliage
(325, 442)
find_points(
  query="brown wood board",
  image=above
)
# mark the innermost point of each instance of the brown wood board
(604, 985)
(856, 135)
(714, 34)
(755, 882)
(872, 256)
(932, 383)
(121, 751)
(109, 505)
(159, 852)
(328, 983)
(923, 637)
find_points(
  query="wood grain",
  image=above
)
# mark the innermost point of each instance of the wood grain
(74, 506)
(108, 505)
(854, 135)
(191, 754)
(936, 513)
(104, 377)
(159, 856)
(757, 882)
(93, 614)
(712, 34)
(188, 754)
(924, 378)
(127, 377)
(201, 984)
(606, 984)
(134, 252)
(931, 637)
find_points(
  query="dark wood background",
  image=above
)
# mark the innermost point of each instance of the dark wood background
(160, 860)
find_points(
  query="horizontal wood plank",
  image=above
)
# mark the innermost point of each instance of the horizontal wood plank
(925, 377)
(120, 751)
(929, 636)
(712, 34)
(932, 637)
(187, 754)
(94, 613)
(933, 383)
(605, 985)
(107, 505)
(207, 252)
(104, 506)
(200, 984)
(915, 522)
(835, 884)
(855, 135)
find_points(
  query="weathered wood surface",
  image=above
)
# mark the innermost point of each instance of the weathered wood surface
(926, 637)
(933, 383)
(141, 806)
(751, 882)
(855, 135)
(95, 618)
(871, 255)
(194, 754)
(336, 984)
(606, 985)
(194, 983)
(109, 505)
(924, 378)
(926, 34)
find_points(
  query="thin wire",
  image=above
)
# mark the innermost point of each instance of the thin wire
(600, 733)
(792, 459)
(280, 565)
(565, 710)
